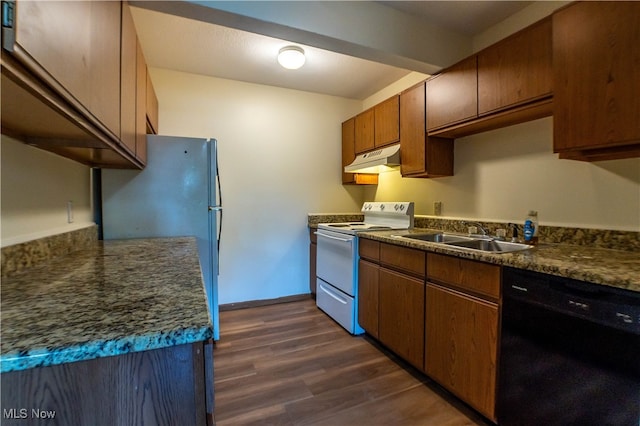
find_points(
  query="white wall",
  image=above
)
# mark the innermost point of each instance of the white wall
(280, 158)
(36, 186)
(501, 174)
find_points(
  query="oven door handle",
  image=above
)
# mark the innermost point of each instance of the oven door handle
(344, 240)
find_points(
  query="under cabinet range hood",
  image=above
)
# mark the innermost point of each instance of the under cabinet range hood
(378, 161)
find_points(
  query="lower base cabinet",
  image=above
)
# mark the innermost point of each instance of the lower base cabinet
(445, 325)
(461, 328)
(167, 386)
(401, 310)
(461, 346)
(368, 297)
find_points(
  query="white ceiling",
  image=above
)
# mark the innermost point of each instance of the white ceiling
(193, 46)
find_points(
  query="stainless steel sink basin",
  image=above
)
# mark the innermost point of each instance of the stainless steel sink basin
(485, 244)
(492, 246)
(438, 237)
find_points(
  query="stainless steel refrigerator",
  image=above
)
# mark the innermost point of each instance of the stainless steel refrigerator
(177, 194)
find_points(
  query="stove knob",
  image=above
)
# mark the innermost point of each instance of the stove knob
(396, 207)
(401, 207)
(381, 207)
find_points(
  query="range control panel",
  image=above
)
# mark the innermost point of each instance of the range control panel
(402, 207)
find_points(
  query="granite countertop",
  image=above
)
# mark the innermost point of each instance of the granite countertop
(614, 268)
(117, 297)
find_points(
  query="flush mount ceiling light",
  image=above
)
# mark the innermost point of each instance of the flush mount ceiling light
(291, 57)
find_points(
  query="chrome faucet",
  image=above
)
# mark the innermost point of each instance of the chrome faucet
(477, 225)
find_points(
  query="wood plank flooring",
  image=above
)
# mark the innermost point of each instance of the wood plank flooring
(290, 364)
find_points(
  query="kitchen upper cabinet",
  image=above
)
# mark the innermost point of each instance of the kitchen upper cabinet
(364, 131)
(452, 95)
(516, 70)
(129, 57)
(461, 328)
(378, 126)
(368, 297)
(151, 107)
(596, 80)
(387, 122)
(69, 76)
(141, 105)
(461, 346)
(421, 155)
(507, 83)
(349, 154)
(75, 48)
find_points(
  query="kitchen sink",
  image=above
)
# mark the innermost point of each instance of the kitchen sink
(472, 243)
(438, 237)
(492, 246)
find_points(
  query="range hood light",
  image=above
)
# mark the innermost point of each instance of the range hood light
(378, 161)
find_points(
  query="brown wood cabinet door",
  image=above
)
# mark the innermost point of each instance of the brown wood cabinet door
(413, 131)
(387, 122)
(401, 322)
(421, 155)
(152, 107)
(141, 106)
(596, 63)
(129, 53)
(364, 131)
(104, 72)
(75, 47)
(368, 297)
(461, 346)
(348, 148)
(452, 96)
(516, 70)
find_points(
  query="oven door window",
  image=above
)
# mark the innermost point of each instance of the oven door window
(337, 259)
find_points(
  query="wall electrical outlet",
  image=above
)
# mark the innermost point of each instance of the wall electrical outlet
(437, 208)
(69, 211)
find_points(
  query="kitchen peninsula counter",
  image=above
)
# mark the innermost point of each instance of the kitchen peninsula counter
(614, 268)
(118, 297)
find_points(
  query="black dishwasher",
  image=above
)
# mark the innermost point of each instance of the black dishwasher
(569, 352)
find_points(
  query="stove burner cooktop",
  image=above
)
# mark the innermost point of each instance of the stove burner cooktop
(377, 217)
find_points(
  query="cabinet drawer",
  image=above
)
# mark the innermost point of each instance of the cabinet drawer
(369, 249)
(404, 259)
(477, 277)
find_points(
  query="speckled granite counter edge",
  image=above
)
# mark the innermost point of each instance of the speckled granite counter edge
(101, 348)
(21, 256)
(98, 347)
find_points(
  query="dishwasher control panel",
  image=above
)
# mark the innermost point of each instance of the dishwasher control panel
(605, 305)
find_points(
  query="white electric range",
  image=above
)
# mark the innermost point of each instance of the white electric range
(337, 258)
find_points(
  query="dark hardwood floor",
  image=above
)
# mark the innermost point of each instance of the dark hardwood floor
(290, 364)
